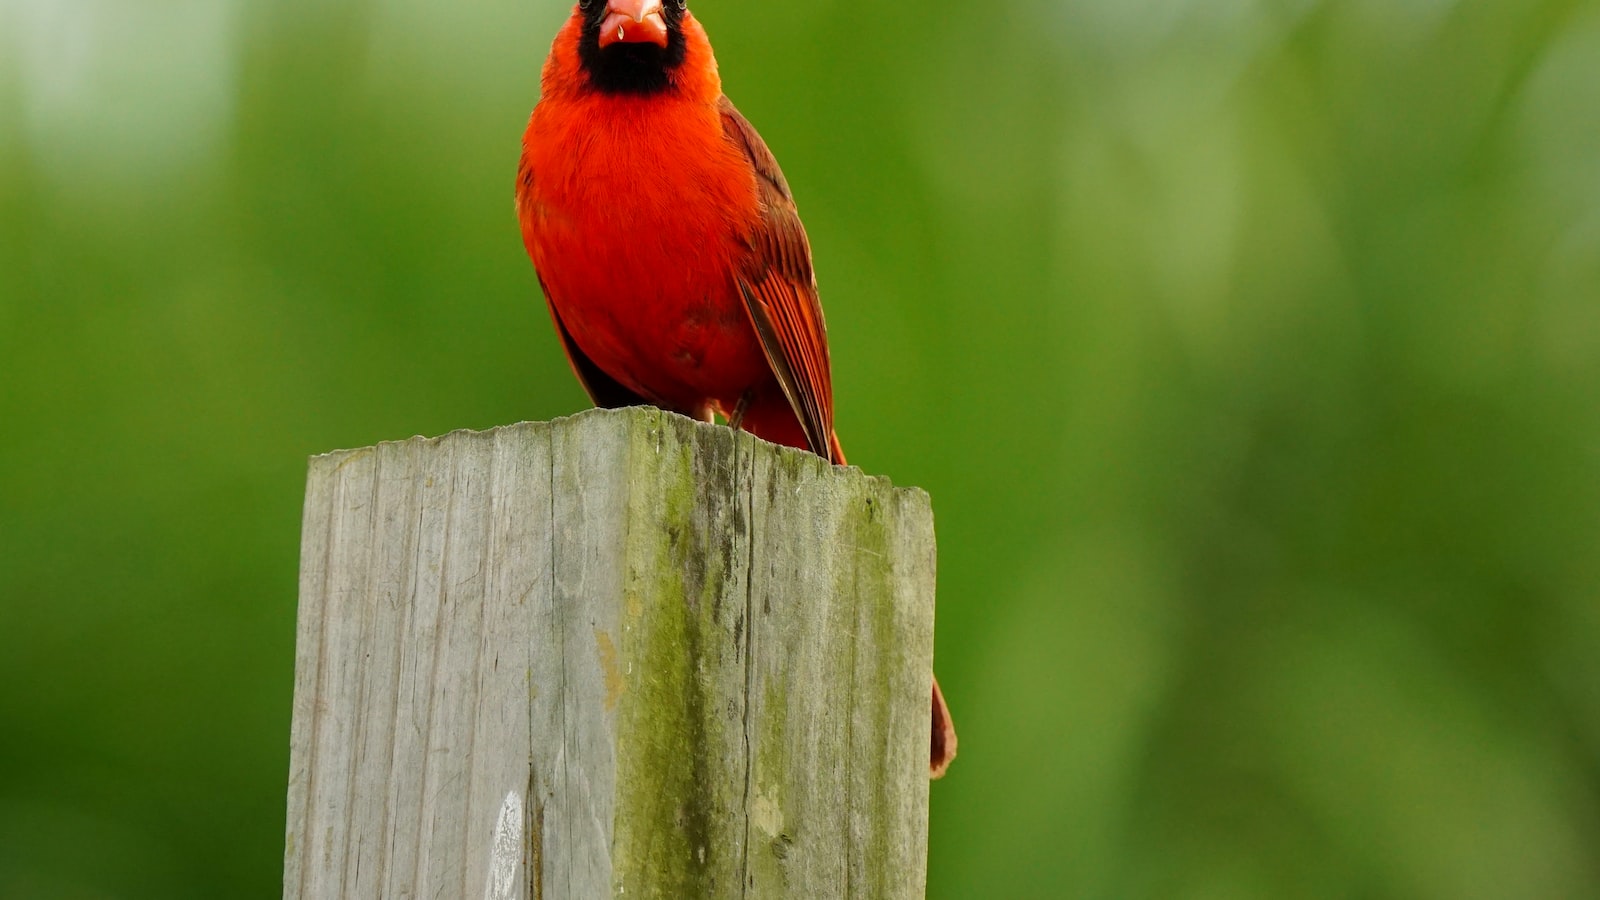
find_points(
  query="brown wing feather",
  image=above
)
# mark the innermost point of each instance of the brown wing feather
(780, 292)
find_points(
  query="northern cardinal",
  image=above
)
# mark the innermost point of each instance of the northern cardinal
(667, 243)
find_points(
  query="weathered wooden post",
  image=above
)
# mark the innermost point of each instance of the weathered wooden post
(621, 654)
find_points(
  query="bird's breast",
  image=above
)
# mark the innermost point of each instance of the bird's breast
(636, 216)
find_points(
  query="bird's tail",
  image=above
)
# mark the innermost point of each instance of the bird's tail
(942, 740)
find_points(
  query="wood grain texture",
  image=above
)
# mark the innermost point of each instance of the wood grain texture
(621, 654)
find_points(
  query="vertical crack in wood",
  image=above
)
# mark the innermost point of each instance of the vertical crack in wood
(749, 650)
(351, 878)
(533, 845)
(420, 851)
(411, 537)
(536, 831)
(486, 569)
(418, 504)
(559, 627)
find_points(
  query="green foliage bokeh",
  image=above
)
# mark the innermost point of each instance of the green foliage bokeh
(1249, 350)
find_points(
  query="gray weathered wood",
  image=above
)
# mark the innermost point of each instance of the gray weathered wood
(618, 654)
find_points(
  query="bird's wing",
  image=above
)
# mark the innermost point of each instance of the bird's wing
(780, 292)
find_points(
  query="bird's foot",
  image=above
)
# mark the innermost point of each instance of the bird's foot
(739, 409)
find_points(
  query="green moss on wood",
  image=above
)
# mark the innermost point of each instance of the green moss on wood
(671, 797)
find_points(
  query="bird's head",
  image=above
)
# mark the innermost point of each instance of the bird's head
(631, 46)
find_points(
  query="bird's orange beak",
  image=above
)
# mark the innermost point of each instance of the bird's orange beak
(633, 22)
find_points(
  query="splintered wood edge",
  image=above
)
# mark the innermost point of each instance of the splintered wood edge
(646, 416)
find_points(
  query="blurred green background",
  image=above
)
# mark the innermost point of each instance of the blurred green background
(1250, 350)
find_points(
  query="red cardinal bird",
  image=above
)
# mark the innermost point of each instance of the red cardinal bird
(667, 242)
